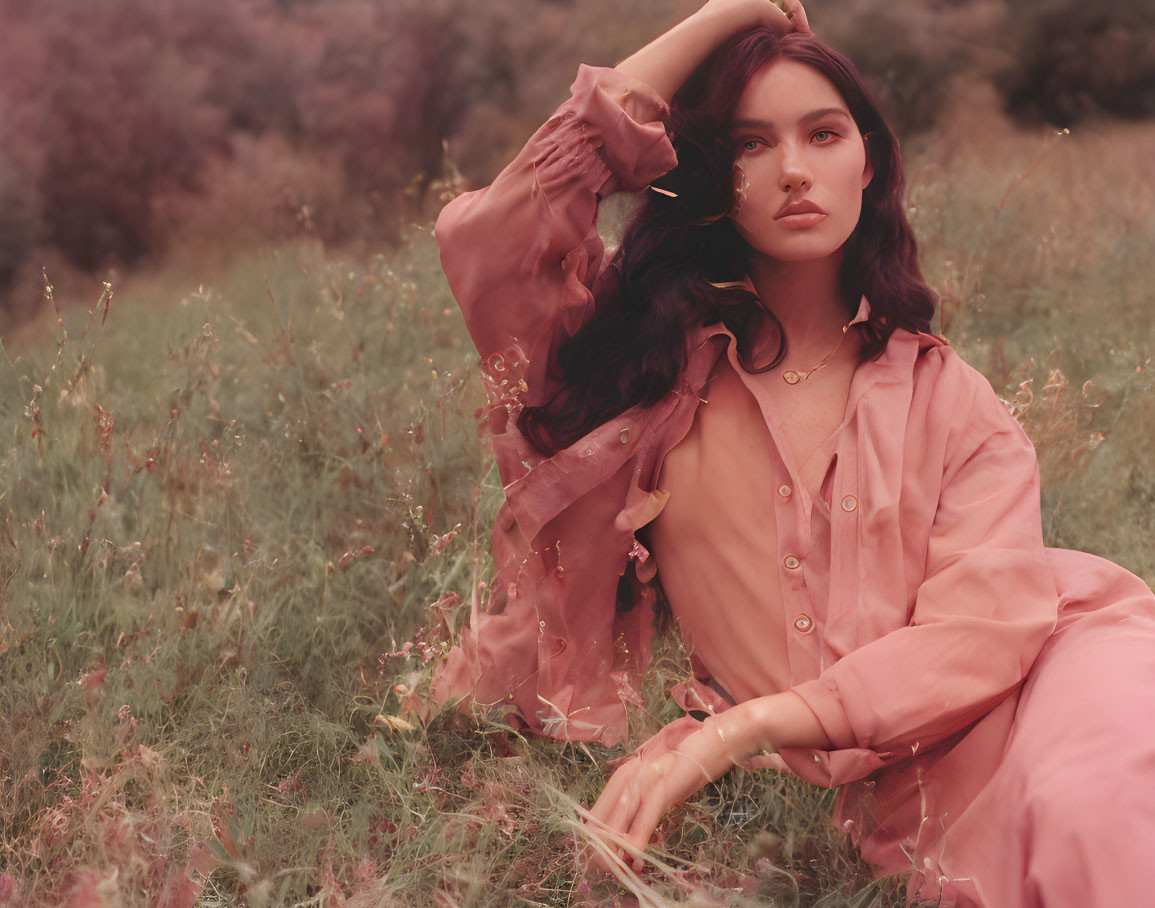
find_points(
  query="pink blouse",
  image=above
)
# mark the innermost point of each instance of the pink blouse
(730, 481)
(908, 616)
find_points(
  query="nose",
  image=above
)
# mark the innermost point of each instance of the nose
(795, 174)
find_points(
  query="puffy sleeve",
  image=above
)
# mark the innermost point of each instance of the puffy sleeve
(524, 261)
(985, 606)
(522, 255)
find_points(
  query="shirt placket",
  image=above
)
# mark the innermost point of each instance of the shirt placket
(793, 515)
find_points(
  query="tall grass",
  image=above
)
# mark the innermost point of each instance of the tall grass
(241, 521)
(237, 529)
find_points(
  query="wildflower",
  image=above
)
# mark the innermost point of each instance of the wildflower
(438, 544)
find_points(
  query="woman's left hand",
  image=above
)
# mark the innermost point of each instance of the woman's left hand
(643, 790)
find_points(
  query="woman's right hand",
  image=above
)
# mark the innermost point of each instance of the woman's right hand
(784, 18)
(666, 62)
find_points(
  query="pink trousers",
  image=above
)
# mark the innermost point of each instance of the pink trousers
(1068, 820)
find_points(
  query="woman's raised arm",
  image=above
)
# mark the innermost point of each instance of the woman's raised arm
(666, 62)
(522, 255)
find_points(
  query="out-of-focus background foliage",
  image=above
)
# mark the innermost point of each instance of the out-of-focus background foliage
(137, 130)
(244, 506)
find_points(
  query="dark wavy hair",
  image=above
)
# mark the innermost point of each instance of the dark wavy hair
(679, 243)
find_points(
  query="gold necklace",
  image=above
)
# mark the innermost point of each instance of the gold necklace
(793, 376)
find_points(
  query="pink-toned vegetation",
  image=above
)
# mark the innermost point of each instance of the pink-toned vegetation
(242, 517)
(143, 133)
(151, 130)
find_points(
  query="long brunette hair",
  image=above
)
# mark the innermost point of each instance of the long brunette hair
(679, 245)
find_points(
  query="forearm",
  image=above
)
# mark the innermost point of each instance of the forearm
(667, 61)
(768, 724)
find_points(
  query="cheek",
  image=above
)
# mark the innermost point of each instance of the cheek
(841, 183)
(853, 201)
(849, 180)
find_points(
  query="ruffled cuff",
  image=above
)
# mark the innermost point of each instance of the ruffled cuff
(624, 119)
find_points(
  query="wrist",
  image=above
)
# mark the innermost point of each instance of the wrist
(745, 729)
(767, 724)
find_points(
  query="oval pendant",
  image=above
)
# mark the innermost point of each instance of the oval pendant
(791, 377)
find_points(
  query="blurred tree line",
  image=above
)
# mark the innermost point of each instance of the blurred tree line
(131, 126)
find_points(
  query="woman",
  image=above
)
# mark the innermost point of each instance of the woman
(743, 418)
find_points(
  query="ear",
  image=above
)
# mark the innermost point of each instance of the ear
(868, 170)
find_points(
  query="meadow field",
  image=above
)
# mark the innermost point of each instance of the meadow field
(242, 519)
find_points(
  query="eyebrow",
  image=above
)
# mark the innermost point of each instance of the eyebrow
(806, 118)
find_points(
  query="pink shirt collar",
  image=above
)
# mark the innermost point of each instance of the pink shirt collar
(708, 331)
(862, 315)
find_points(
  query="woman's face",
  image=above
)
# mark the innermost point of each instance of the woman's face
(796, 144)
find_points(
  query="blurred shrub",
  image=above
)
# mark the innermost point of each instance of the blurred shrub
(137, 127)
(19, 212)
(108, 113)
(1075, 60)
(262, 119)
(904, 51)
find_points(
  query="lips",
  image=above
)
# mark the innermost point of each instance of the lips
(800, 207)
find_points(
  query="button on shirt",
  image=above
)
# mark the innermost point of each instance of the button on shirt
(743, 560)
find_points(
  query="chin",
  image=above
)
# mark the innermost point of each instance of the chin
(796, 246)
(798, 255)
(802, 250)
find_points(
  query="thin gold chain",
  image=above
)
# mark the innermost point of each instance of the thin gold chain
(794, 377)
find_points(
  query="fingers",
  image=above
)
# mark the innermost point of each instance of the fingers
(776, 15)
(797, 16)
(645, 821)
(614, 811)
(642, 804)
(638, 795)
(630, 808)
(603, 854)
(801, 23)
(679, 776)
(624, 811)
(620, 781)
(608, 798)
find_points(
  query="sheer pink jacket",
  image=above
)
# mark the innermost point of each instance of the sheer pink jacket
(941, 591)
